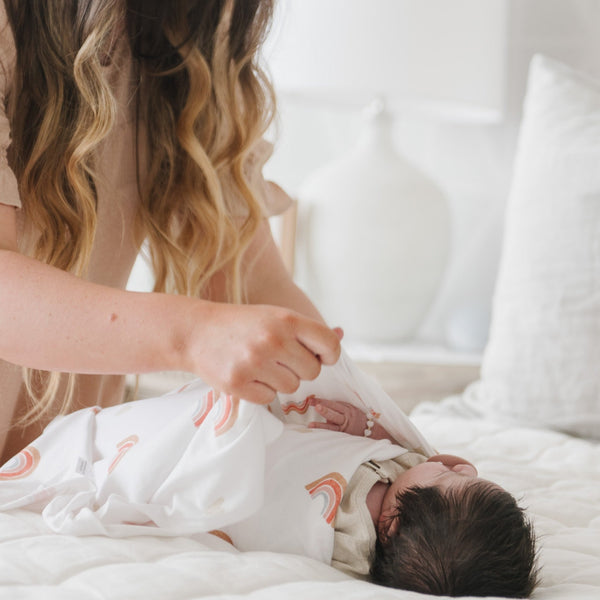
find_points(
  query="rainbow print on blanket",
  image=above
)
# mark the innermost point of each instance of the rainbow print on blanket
(330, 488)
(223, 411)
(301, 408)
(21, 465)
(122, 448)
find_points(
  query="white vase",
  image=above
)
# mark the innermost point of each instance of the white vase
(376, 239)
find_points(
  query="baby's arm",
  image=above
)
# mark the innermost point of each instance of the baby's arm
(343, 416)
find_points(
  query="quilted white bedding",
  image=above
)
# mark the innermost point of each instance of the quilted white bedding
(556, 476)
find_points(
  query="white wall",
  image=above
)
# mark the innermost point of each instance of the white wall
(472, 163)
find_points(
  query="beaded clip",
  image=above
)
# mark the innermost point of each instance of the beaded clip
(370, 422)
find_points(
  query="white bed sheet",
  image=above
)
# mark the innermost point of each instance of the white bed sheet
(556, 476)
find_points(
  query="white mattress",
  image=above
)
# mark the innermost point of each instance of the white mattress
(556, 476)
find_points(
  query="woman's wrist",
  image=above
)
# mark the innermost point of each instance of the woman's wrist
(186, 323)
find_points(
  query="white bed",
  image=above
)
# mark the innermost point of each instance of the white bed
(541, 365)
(556, 476)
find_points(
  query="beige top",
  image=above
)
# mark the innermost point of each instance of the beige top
(355, 535)
(114, 249)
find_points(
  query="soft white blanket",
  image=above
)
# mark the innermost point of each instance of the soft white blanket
(555, 476)
(193, 461)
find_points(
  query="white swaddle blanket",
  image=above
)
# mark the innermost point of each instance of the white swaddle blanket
(191, 462)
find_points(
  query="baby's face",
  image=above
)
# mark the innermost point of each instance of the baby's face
(442, 471)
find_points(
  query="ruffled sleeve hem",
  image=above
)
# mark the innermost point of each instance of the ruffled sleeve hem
(271, 197)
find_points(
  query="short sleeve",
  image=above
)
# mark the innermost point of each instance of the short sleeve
(273, 199)
(9, 190)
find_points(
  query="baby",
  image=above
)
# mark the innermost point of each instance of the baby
(194, 461)
(438, 528)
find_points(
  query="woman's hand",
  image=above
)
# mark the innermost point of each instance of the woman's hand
(253, 352)
(268, 345)
(345, 417)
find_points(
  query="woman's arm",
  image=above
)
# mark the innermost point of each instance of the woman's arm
(269, 286)
(53, 320)
(268, 281)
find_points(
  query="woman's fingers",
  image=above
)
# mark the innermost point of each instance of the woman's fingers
(277, 378)
(281, 378)
(302, 362)
(319, 339)
(293, 360)
(262, 350)
(257, 392)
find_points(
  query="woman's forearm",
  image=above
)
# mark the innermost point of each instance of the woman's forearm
(52, 320)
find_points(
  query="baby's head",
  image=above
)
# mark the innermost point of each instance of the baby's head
(444, 531)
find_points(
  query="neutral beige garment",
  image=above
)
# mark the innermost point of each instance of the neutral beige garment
(355, 536)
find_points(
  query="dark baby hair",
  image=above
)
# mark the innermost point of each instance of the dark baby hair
(469, 541)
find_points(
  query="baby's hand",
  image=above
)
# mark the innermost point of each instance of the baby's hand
(339, 416)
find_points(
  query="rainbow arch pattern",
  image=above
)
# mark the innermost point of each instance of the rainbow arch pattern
(122, 448)
(207, 401)
(330, 488)
(21, 465)
(222, 535)
(226, 414)
(301, 408)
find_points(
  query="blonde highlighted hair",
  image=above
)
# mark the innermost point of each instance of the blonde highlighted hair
(199, 89)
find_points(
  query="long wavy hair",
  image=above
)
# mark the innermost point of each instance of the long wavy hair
(200, 90)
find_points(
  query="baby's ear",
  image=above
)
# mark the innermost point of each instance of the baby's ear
(393, 527)
(388, 528)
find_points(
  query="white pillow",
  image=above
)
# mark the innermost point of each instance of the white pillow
(542, 361)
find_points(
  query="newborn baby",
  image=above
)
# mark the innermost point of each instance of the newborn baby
(342, 490)
(434, 527)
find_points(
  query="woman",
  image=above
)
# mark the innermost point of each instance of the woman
(137, 120)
